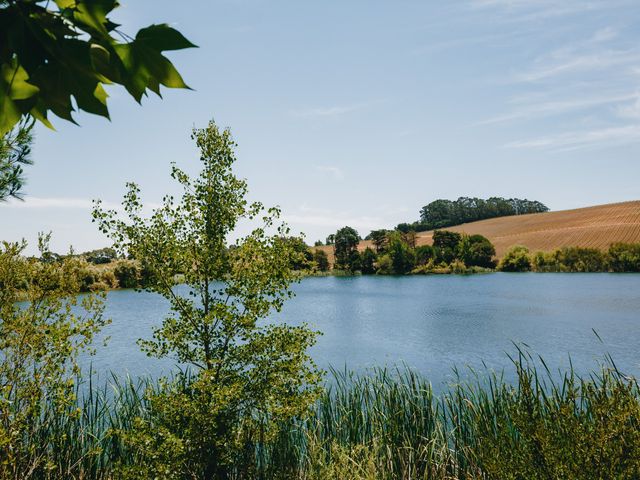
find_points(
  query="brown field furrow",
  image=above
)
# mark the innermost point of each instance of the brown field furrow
(594, 227)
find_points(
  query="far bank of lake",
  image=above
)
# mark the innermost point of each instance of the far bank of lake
(429, 323)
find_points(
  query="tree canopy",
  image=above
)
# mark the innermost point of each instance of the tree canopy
(246, 369)
(49, 56)
(346, 249)
(446, 213)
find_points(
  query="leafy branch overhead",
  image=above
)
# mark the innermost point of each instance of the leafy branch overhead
(49, 56)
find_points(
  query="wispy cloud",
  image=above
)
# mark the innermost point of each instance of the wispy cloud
(632, 110)
(334, 110)
(558, 107)
(584, 139)
(333, 171)
(570, 62)
(522, 11)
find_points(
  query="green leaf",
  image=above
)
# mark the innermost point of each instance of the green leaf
(14, 82)
(163, 37)
(9, 114)
(93, 14)
(13, 86)
(161, 69)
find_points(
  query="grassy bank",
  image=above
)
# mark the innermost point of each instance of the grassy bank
(386, 424)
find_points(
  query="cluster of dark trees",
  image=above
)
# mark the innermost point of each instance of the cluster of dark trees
(305, 259)
(621, 257)
(446, 213)
(396, 253)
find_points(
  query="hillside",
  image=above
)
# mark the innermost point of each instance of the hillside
(596, 227)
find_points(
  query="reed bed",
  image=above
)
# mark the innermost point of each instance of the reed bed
(389, 424)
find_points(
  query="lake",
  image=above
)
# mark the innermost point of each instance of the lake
(429, 323)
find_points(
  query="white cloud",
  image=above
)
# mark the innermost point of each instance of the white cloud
(333, 171)
(632, 110)
(535, 10)
(557, 107)
(566, 62)
(585, 139)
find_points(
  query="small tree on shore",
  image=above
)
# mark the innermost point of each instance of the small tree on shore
(250, 375)
(346, 249)
(44, 326)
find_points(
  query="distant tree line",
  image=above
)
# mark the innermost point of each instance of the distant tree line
(619, 258)
(392, 253)
(396, 253)
(446, 213)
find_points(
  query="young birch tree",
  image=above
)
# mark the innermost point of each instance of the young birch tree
(249, 374)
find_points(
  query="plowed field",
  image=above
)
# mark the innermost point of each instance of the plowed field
(596, 227)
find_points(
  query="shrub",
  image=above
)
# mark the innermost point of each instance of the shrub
(516, 260)
(476, 251)
(403, 257)
(545, 262)
(109, 278)
(577, 259)
(458, 266)
(445, 244)
(126, 272)
(40, 342)
(625, 257)
(424, 253)
(369, 258)
(321, 259)
(384, 265)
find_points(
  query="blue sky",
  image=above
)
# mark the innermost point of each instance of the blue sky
(360, 112)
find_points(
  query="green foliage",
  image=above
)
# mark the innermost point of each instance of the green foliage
(249, 375)
(369, 258)
(379, 239)
(403, 257)
(302, 257)
(321, 259)
(445, 245)
(345, 247)
(51, 55)
(127, 274)
(100, 256)
(384, 265)
(571, 259)
(389, 425)
(625, 257)
(15, 150)
(40, 340)
(476, 251)
(424, 253)
(516, 260)
(445, 213)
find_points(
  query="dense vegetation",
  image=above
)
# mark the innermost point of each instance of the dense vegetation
(446, 213)
(53, 52)
(381, 425)
(620, 258)
(394, 253)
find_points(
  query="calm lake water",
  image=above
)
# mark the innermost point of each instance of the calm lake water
(429, 323)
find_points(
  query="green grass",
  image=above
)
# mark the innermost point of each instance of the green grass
(389, 424)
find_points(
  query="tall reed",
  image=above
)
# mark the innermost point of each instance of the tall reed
(389, 424)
